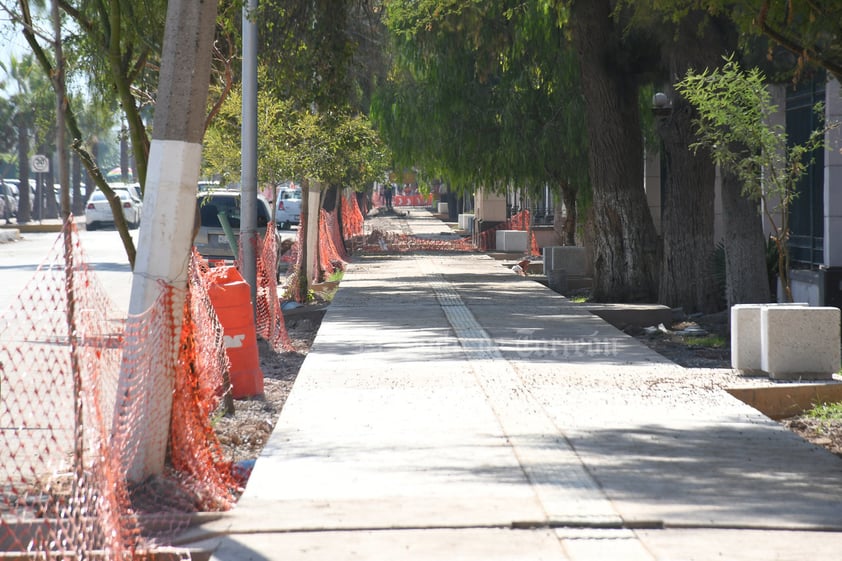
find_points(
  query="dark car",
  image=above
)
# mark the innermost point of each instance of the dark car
(211, 241)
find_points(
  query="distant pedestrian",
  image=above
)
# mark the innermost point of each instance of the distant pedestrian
(387, 192)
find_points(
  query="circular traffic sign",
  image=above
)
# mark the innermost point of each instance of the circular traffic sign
(39, 163)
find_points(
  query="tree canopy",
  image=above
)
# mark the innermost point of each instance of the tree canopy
(334, 147)
(483, 93)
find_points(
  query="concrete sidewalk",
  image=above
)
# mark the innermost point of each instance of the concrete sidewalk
(451, 410)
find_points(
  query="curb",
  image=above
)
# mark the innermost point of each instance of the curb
(32, 228)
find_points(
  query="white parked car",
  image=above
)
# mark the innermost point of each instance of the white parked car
(98, 211)
(288, 208)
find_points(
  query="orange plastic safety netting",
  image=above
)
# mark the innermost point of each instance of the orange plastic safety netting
(352, 217)
(381, 241)
(269, 319)
(332, 254)
(295, 258)
(105, 422)
(62, 490)
(521, 221)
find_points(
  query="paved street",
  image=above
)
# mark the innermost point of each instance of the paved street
(20, 259)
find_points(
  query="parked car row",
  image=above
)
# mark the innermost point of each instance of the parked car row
(10, 197)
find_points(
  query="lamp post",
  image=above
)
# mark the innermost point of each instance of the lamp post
(248, 178)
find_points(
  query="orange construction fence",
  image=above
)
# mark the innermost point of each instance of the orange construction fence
(80, 388)
(521, 221)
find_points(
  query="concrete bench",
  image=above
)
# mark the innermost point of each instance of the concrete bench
(511, 241)
(442, 208)
(787, 341)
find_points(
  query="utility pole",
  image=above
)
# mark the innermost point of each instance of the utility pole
(166, 233)
(248, 150)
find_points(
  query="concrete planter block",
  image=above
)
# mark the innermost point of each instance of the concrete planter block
(442, 208)
(511, 241)
(745, 337)
(571, 258)
(466, 222)
(799, 341)
(557, 280)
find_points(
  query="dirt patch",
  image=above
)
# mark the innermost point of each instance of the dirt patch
(821, 432)
(243, 434)
(699, 342)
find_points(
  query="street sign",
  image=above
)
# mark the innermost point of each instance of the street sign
(39, 163)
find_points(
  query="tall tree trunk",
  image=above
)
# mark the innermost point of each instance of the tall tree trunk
(558, 221)
(90, 184)
(565, 214)
(568, 197)
(690, 176)
(78, 199)
(303, 271)
(24, 203)
(625, 243)
(747, 279)
(124, 154)
(687, 219)
(165, 237)
(51, 207)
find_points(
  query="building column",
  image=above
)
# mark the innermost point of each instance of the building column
(833, 178)
(652, 184)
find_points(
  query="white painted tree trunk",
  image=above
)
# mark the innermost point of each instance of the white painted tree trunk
(312, 234)
(166, 233)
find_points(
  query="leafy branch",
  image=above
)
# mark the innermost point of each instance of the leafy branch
(735, 110)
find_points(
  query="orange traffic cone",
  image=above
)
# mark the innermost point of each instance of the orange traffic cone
(231, 298)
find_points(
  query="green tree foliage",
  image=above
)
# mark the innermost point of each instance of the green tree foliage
(810, 30)
(484, 93)
(114, 48)
(308, 47)
(332, 147)
(118, 49)
(33, 110)
(734, 114)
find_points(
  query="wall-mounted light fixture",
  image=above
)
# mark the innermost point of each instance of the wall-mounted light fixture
(661, 104)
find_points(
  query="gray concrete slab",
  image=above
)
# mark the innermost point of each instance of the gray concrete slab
(450, 409)
(740, 544)
(405, 545)
(9, 235)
